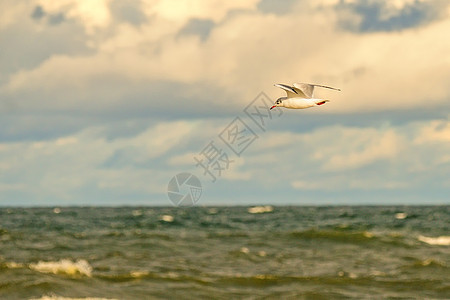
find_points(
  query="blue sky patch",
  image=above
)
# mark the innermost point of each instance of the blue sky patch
(373, 16)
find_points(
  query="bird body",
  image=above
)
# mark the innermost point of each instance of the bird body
(300, 96)
(300, 103)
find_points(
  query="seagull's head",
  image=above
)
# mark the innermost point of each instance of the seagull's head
(279, 102)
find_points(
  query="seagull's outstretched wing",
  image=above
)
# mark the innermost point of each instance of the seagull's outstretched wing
(292, 92)
(308, 89)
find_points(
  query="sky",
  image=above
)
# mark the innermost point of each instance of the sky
(103, 102)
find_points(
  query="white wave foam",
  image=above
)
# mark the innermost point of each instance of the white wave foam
(13, 265)
(54, 297)
(139, 274)
(260, 209)
(245, 250)
(167, 218)
(401, 215)
(64, 266)
(440, 240)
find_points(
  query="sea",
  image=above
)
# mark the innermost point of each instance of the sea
(254, 252)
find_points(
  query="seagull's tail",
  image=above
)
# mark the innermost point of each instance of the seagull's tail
(321, 102)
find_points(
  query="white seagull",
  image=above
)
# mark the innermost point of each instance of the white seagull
(300, 95)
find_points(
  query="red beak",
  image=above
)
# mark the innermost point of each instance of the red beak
(273, 107)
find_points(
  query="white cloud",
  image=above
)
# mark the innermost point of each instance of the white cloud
(371, 80)
(92, 14)
(252, 48)
(181, 160)
(151, 70)
(235, 171)
(11, 11)
(345, 184)
(351, 158)
(331, 158)
(66, 141)
(62, 166)
(435, 132)
(359, 147)
(181, 11)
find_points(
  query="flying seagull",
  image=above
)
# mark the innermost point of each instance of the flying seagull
(300, 95)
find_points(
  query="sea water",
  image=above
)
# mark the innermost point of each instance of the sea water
(225, 253)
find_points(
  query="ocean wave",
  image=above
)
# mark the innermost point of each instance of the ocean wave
(55, 297)
(12, 265)
(64, 266)
(354, 237)
(15, 265)
(260, 209)
(335, 235)
(139, 274)
(429, 263)
(228, 234)
(167, 218)
(169, 276)
(440, 240)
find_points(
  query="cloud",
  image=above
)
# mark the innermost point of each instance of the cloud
(186, 159)
(11, 11)
(38, 13)
(344, 158)
(341, 184)
(87, 165)
(152, 143)
(435, 132)
(375, 16)
(128, 11)
(108, 99)
(359, 147)
(273, 6)
(211, 68)
(180, 11)
(94, 14)
(198, 27)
